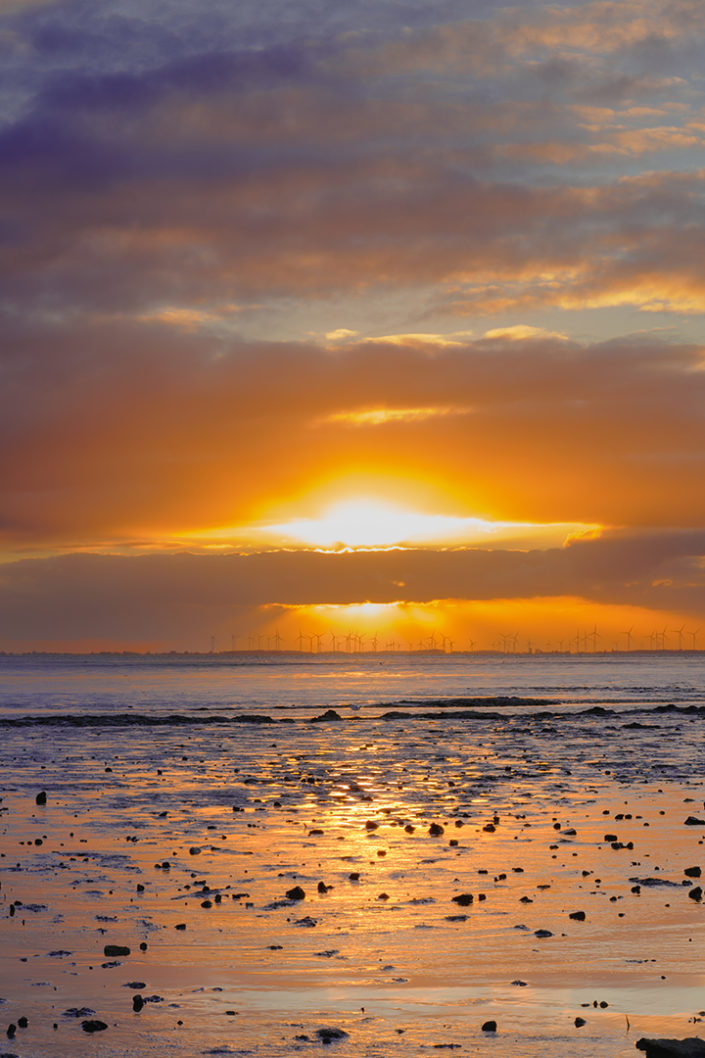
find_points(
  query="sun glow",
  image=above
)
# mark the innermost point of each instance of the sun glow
(371, 523)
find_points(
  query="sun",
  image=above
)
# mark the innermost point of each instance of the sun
(362, 523)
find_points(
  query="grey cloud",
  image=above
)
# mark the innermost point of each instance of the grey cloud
(101, 596)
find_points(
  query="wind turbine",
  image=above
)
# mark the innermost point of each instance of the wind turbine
(299, 640)
(694, 634)
(628, 634)
(318, 636)
(679, 633)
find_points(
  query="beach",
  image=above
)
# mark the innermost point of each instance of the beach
(373, 877)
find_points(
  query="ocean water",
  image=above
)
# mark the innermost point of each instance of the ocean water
(73, 685)
(187, 795)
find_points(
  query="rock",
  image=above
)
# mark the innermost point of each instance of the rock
(489, 1026)
(93, 1025)
(328, 1035)
(41, 798)
(695, 893)
(330, 714)
(137, 1003)
(692, 1047)
(692, 872)
(435, 830)
(579, 916)
(542, 933)
(579, 1022)
(113, 951)
(296, 893)
(693, 821)
(463, 899)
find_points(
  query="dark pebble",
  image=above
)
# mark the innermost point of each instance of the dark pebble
(93, 1025)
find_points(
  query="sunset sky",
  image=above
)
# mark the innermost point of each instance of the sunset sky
(376, 317)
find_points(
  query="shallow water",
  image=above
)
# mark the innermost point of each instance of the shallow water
(411, 974)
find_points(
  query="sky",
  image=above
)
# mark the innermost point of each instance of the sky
(380, 319)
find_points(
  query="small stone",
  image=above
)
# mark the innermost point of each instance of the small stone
(328, 1035)
(579, 1022)
(137, 1003)
(296, 893)
(463, 899)
(41, 798)
(692, 872)
(579, 916)
(692, 1047)
(695, 893)
(113, 951)
(435, 830)
(489, 1026)
(94, 1025)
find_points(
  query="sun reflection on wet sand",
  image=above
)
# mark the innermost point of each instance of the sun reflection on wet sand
(382, 824)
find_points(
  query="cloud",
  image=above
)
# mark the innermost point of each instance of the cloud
(115, 431)
(221, 171)
(153, 598)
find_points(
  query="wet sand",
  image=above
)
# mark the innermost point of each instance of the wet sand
(181, 843)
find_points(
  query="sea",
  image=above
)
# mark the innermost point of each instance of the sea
(446, 817)
(50, 686)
